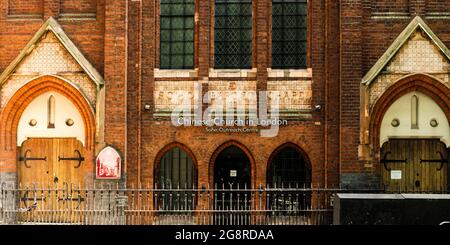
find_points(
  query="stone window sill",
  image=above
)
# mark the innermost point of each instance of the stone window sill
(241, 73)
(166, 73)
(77, 16)
(287, 73)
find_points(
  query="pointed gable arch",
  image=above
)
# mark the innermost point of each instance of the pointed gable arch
(416, 24)
(51, 25)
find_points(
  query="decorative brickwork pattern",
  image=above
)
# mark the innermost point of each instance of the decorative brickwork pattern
(294, 95)
(418, 55)
(224, 92)
(171, 94)
(49, 57)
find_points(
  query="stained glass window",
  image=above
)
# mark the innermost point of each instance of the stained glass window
(177, 34)
(289, 28)
(233, 34)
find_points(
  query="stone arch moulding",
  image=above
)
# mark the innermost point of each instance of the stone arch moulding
(11, 113)
(168, 148)
(425, 84)
(225, 146)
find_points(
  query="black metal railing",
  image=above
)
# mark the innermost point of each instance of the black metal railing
(110, 205)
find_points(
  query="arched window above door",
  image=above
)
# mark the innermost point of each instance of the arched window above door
(415, 115)
(51, 115)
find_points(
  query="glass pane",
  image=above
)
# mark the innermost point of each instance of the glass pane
(177, 48)
(178, 9)
(220, 9)
(177, 61)
(165, 9)
(165, 23)
(165, 61)
(189, 9)
(166, 36)
(189, 36)
(165, 48)
(178, 22)
(188, 49)
(189, 23)
(177, 35)
(188, 60)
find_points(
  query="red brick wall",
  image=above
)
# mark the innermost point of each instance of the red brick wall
(390, 5)
(115, 74)
(24, 7)
(365, 36)
(345, 41)
(78, 6)
(332, 103)
(19, 21)
(378, 34)
(88, 35)
(134, 82)
(352, 54)
(437, 5)
(153, 135)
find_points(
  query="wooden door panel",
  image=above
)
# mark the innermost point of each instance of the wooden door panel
(57, 177)
(69, 172)
(33, 172)
(420, 171)
(69, 167)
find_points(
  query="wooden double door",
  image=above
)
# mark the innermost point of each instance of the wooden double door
(415, 166)
(50, 172)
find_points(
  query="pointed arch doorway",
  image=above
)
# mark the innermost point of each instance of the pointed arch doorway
(48, 128)
(233, 169)
(50, 139)
(414, 140)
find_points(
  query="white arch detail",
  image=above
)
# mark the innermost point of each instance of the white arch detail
(427, 111)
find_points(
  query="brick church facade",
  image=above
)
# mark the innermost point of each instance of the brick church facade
(365, 89)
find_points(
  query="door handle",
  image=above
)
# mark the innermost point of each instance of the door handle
(25, 159)
(442, 161)
(385, 161)
(79, 158)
